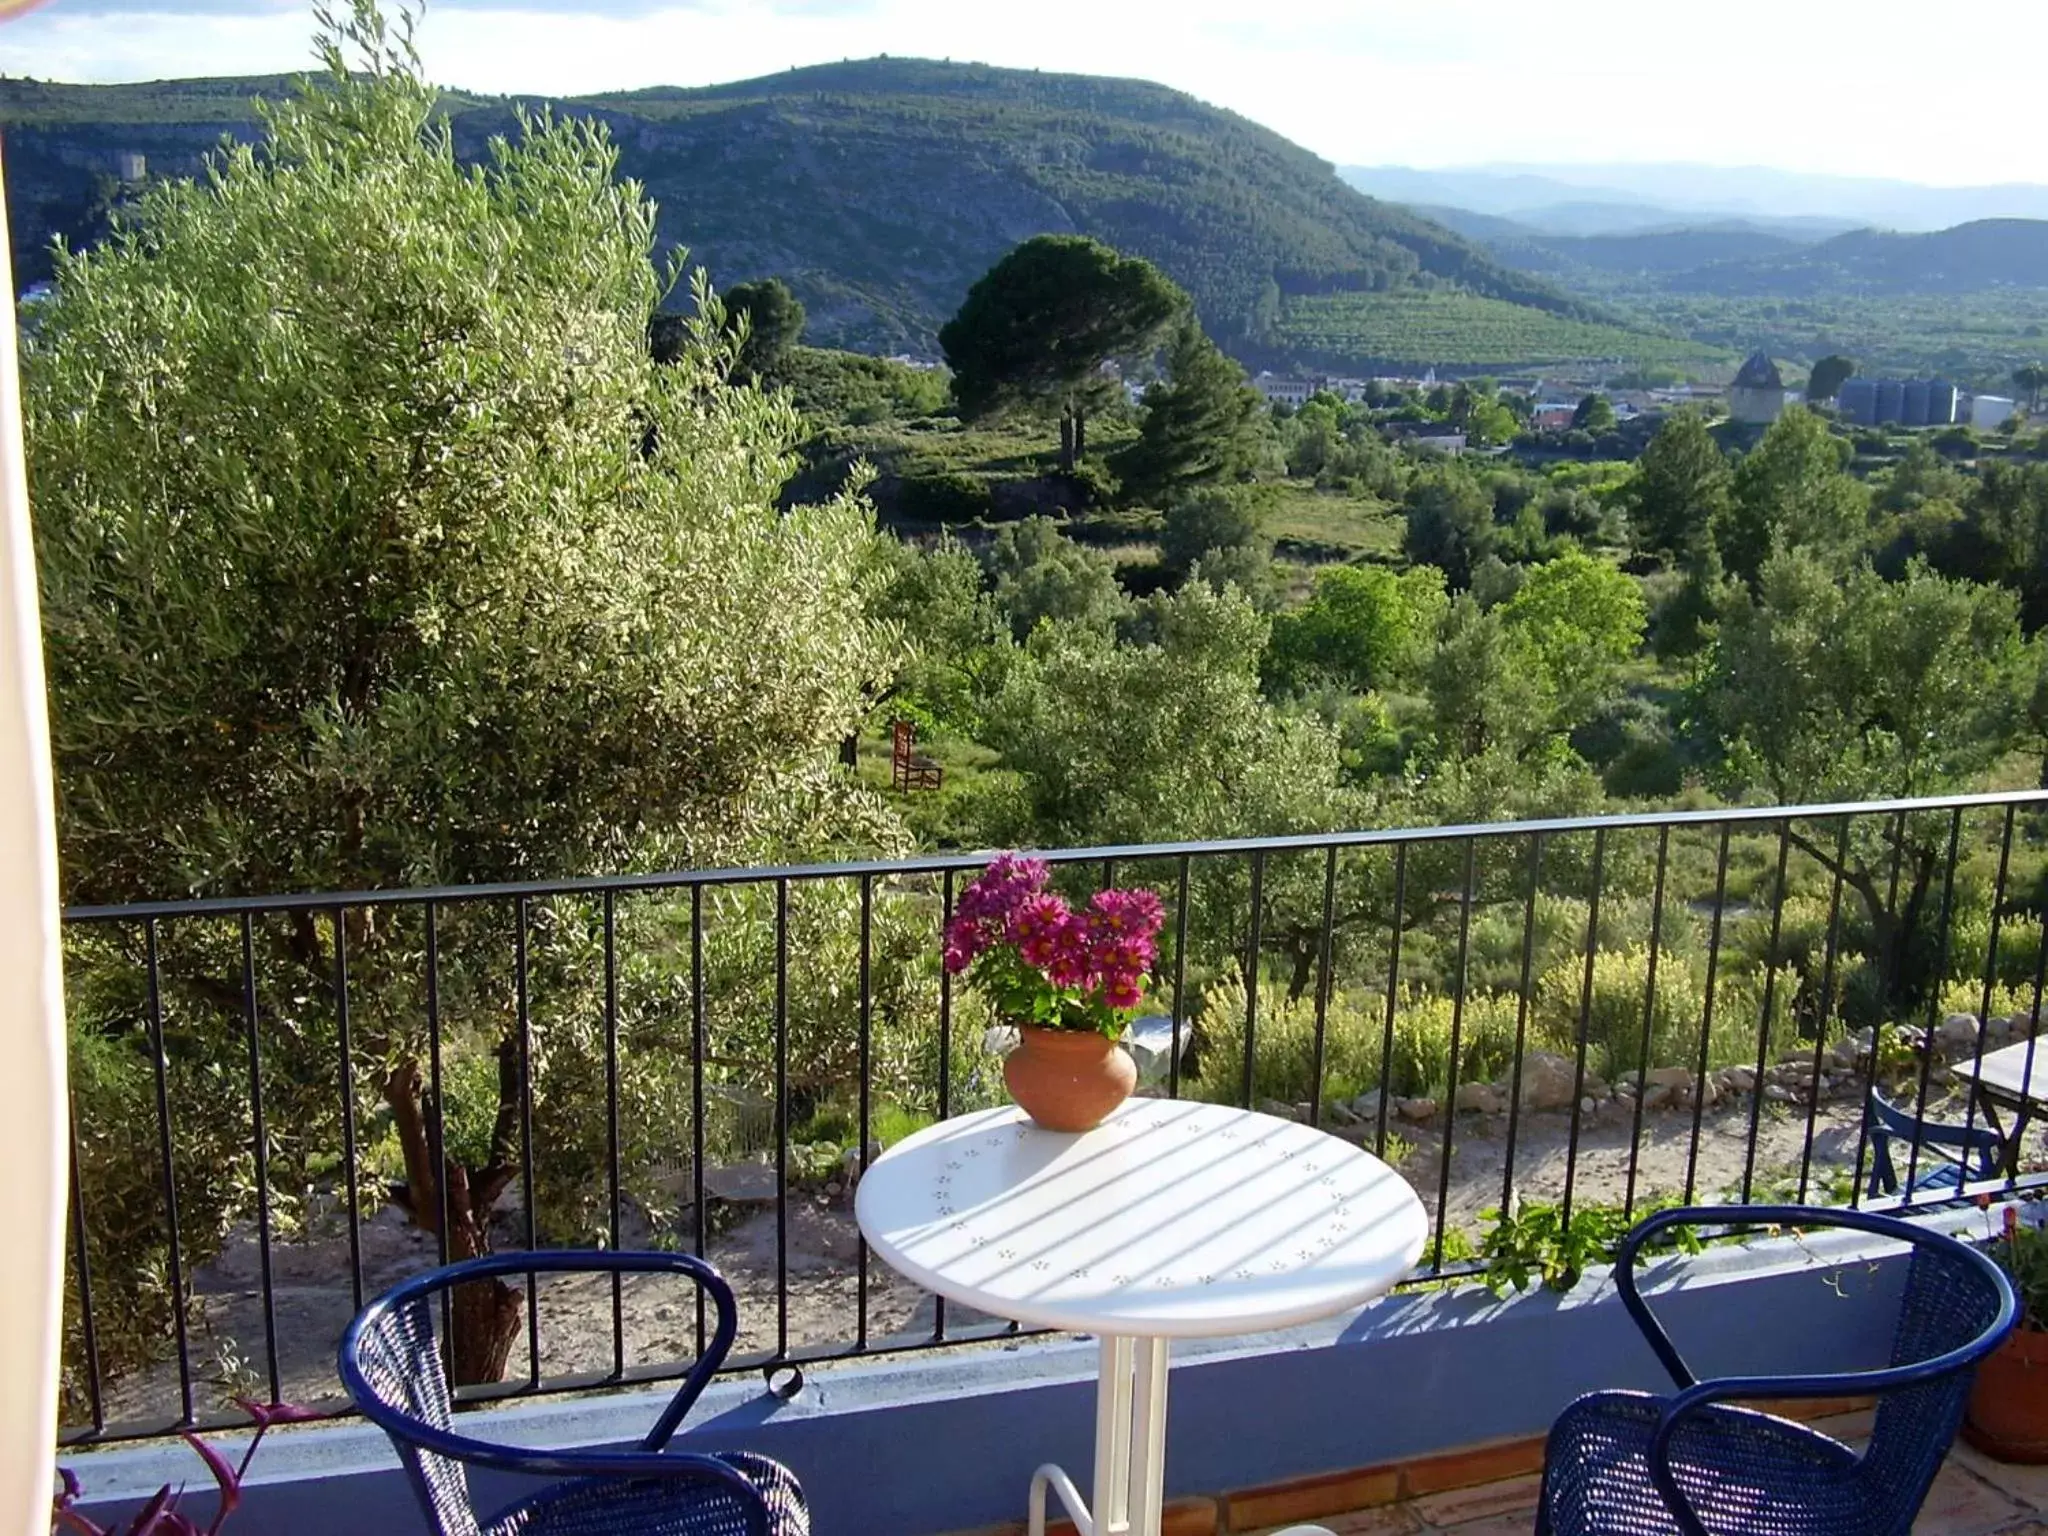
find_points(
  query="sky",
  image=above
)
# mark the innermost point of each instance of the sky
(1887, 88)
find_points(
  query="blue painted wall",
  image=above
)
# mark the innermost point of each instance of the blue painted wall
(926, 1444)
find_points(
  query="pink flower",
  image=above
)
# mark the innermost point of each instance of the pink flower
(1123, 954)
(1137, 913)
(1039, 929)
(1068, 971)
(1122, 991)
(1001, 888)
(1101, 953)
(986, 912)
(966, 939)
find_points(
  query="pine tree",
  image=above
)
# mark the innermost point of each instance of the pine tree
(1202, 422)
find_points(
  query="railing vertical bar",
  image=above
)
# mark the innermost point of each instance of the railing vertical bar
(351, 1172)
(945, 1060)
(1635, 1132)
(1443, 1179)
(1180, 980)
(2034, 1013)
(1315, 1092)
(1699, 1086)
(1522, 997)
(1253, 939)
(867, 1026)
(437, 1136)
(1991, 960)
(782, 1118)
(1870, 1065)
(1393, 996)
(1931, 1045)
(1763, 1028)
(611, 1124)
(697, 1052)
(81, 1259)
(1571, 1156)
(259, 1152)
(528, 1195)
(1827, 1004)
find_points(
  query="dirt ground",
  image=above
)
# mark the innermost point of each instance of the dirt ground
(315, 1298)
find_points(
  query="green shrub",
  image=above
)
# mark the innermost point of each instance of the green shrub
(2019, 950)
(946, 497)
(1422, 1041)
(1614, 1019)
(1354, 1034)
(1284, 1044)
(1096, 484)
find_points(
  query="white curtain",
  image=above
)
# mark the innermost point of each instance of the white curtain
(32, 1099)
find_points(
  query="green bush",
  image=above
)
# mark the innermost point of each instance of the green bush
(2019, 950)
(946, 497)
(1614, 1019)
(1422, 1041)
(1096, 483)
(1284, 1062)
(1354, 1034)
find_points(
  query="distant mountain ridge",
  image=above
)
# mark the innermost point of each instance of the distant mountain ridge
(1627, 198)
(879, 188)
(1970, 258)
(1738, 259)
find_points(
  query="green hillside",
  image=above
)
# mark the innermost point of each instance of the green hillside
(880, 189)
(1416, 328)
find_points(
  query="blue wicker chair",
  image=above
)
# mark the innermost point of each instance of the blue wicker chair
(1629, 1464)
(1950, 1154)
(391, 1366)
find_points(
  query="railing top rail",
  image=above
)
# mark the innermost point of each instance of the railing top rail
(592, 885)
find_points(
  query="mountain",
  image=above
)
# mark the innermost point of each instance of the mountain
(879, 189)
(1764, 192)
(1741, 258)
(1622, 199)
(1970, 258)
(1547, 205)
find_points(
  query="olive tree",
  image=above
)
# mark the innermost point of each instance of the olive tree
(377, 551)
(1845, 687)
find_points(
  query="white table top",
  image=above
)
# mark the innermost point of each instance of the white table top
(2005, 1071)
(1170, 1219)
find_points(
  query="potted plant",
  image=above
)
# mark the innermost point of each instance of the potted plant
(1068, 979)
(2008, 1415)
(160, 1516)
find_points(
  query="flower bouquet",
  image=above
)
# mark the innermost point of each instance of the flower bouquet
(1068, 978)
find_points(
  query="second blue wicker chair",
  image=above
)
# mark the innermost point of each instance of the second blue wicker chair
(1949, 1155)
(391, 1365)
(1629, 1464)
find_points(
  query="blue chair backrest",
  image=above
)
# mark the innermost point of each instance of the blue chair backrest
(401, 1363)
(1948, 1302)
(1887, 1120)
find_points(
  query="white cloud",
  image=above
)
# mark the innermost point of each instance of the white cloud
(1818, 85)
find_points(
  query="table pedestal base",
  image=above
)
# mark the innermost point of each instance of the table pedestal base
(1130, 1447)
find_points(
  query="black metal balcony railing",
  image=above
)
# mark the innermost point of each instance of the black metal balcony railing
(263, 1086)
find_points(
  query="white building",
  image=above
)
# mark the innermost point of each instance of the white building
(1990, 412)
(1294, 392)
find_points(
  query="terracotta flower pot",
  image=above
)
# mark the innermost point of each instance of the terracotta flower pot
(1068, 1080)
(2008, 1415)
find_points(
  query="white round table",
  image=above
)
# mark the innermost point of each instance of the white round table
(1169, 1220)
